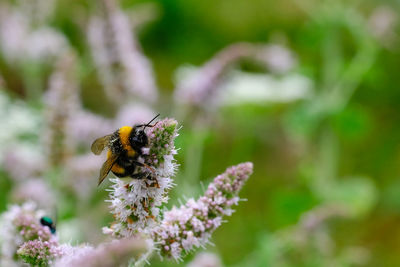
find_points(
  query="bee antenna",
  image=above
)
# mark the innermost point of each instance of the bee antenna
(148, 124)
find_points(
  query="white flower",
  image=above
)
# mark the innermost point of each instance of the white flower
(135, 203)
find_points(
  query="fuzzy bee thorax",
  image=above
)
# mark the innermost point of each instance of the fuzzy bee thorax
(124, 135)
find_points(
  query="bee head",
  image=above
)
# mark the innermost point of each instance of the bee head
(138, 136)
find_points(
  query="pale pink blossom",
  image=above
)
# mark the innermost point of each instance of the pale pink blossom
(81, 171)
(123, 67)
(205, 259)
(278, 58)
(105, 57)
(40, 253)
(382, 25)
(33, 163)
(62, 101)
(115, 253)
(84, 126)
(20, 224)
(199, 87)
(20, 41)
(36, 190)
(190, 226)
(132, 114)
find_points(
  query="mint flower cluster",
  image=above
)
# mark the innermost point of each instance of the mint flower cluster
(23, 236)
(161, 147)
(135, 203)
(40, 253)
(29, 228)
(191, 225)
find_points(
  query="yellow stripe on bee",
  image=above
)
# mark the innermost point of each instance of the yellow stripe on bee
(124, 133)
(117, 169)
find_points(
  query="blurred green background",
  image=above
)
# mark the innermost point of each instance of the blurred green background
(325, 189)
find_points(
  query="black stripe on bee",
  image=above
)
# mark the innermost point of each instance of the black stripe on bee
(115, 143)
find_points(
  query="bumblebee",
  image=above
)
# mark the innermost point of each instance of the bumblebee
(47, 221)
(124, 151)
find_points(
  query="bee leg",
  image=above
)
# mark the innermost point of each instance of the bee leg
(145, 166)
(138, 175)
(152, 181)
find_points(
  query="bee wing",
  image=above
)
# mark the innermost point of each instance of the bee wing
(106, 168)
(100, 143)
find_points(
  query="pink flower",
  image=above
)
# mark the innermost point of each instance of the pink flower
(205, 259)
(382, 25)
(21, 224)
(62, 101)
(84, 126)
(133, 114)
(191, 225)
(113, 44)
(39, 253)
(115, 253)
(198, 88)
(36, 190)
(33, 163)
